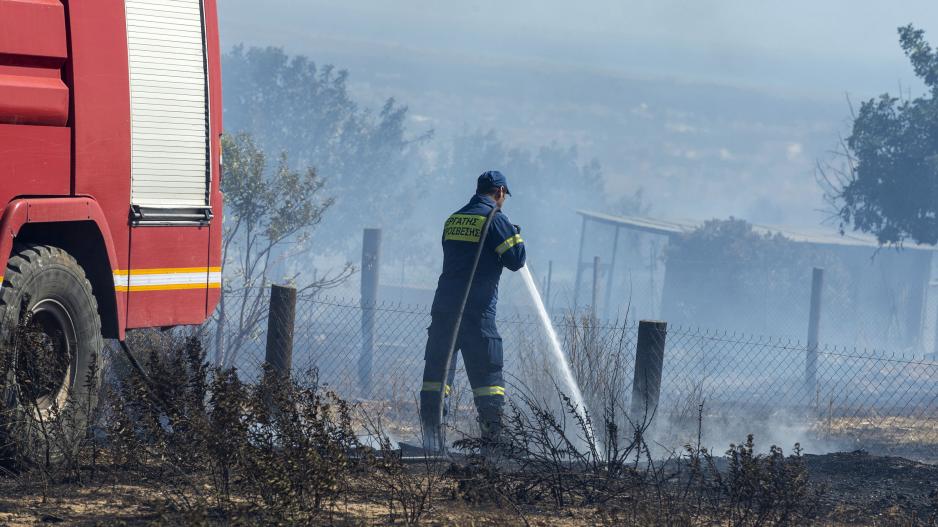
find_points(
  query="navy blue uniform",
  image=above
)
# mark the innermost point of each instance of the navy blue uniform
(478, 339)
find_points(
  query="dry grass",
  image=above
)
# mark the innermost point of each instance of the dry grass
(896, 430)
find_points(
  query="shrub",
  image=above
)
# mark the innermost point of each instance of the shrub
(278, 450)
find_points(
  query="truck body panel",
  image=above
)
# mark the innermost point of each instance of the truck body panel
(33, 48)
(142, 172)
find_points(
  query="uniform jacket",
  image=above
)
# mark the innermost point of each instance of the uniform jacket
(503, 248)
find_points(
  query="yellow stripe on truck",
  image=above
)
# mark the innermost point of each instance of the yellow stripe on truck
(166, 287)
(167, 279)
(169, 270)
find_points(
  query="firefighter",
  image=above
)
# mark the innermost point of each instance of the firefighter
(478, 338)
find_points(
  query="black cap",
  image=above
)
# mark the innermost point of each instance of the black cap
(490, 181)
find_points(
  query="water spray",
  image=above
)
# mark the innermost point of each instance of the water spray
(560, 359)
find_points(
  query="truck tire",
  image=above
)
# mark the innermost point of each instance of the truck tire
(51, 341)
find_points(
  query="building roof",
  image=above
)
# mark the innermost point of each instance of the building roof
(818, 236)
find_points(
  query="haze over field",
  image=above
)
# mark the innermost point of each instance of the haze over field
(714, 108)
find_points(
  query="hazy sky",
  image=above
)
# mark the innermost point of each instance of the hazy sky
(713, 108)
(806, 46)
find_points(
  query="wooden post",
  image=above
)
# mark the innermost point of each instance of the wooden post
(814, 327)
(280, 323)
(594, 307)
(649, 360)
(371, 256)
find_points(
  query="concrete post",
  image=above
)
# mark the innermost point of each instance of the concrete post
(814, 327)
(649, 360)
(594, 304)
(579, 266)
(280, 321)
(934, 287)
(220, 343)
(550, 277)
(610, 275)
(371, 256)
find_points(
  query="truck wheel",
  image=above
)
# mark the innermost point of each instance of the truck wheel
(51, 346)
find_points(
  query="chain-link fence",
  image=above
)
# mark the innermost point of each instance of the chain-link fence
(757, 279)
(729, 384)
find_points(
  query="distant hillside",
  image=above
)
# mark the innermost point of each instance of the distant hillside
(700, 150)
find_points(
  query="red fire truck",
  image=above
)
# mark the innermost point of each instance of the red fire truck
(110, 124)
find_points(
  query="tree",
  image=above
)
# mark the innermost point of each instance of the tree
(887, 184)
(725, 274)
(269, 219)
(290, 103)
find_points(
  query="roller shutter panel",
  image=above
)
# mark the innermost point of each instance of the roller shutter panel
(168, 103)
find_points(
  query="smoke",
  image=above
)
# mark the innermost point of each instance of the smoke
(718, 430)
(626, 109)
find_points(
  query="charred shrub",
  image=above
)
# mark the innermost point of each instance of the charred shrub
(558, 457)
(275, 451)
(406, 489)
(563, 461)
(764, 489)
(44, 420)
(295, 461)
(161, 415)
(159, 422)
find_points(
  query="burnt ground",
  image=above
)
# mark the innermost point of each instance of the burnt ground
(856, 489)
(864, 489)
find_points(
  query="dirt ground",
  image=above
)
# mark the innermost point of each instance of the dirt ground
(142, 503)
(858, 489)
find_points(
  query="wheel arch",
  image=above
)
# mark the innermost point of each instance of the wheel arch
(78, 226)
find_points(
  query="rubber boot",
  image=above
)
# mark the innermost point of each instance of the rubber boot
(490, 424)
(433, 441)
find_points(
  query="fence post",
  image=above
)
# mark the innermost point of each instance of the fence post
(550, 276)
(282, 315)
(220, 355)
(371, 256)
(593, 307)
(607, 298)
(649, 359)
(579, 266)
(814, 328)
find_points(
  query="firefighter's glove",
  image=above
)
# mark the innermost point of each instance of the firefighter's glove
(517, 229)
